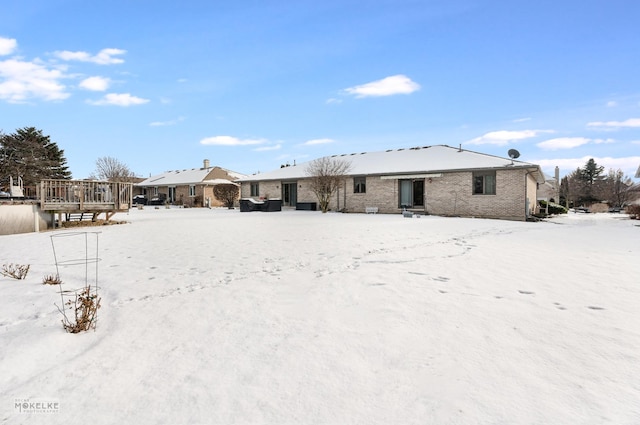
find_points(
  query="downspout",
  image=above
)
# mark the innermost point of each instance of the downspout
(344, 194)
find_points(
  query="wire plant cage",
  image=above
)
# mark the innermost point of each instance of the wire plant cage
(76, 259)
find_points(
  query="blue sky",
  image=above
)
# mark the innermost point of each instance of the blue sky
(250, 85)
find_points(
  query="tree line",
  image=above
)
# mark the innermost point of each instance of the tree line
(588, 185)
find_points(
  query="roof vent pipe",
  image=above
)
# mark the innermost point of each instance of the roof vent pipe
(206, 164)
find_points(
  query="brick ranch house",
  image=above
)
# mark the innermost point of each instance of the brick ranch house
(438, 180)
(193, 187)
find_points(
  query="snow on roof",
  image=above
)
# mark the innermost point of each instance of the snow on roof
(219, 181)
(432, 159)
(182, 177)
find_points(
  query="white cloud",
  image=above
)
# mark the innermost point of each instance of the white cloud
(95, 83)
(119, 99)
(21, 81)
(612, 104)
(504, 137)
(563, 143)
(166, 123)
(570, 143)
(522, 119)
(603, 141)
(7, 46)
(318, 142)
(104, 56)
(631, 122)
(396, 84)
(269, 148)
(230, 141)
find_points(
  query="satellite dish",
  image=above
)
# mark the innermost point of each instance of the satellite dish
(513, 154)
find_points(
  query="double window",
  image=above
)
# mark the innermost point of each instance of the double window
(359, 185)
(192, 190)
(484, 183)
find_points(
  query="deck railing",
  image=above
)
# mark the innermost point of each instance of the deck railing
(84, 195)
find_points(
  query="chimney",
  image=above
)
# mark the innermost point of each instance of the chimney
(206, 164)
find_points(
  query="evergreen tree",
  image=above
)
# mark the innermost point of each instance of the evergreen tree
(591, 171)
(590, 178)
(29, 154)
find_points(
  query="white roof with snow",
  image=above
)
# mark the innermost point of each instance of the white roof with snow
(427, 159)
(183, 177)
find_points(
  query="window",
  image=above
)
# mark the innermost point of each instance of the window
(255, 189)
(359, 185)
(192, 190)
(484, 183)
(411, 193)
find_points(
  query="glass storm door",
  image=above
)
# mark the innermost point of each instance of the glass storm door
(289, 194)
(411, 193)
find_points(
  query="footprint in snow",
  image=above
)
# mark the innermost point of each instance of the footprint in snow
(526, 292)
(560, 306)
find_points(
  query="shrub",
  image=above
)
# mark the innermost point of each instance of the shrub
(634, 212)
(553, 207)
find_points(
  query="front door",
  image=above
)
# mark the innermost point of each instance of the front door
(289, 194)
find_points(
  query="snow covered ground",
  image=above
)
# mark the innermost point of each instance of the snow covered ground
(295, 317)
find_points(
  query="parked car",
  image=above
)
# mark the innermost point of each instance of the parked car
(139, 200)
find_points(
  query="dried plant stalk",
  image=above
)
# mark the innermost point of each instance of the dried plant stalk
(16, 271)
(51, 280)
(85, 307)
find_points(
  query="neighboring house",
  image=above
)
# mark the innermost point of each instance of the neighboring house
(550, 190)
(193, 188)
(439, 180)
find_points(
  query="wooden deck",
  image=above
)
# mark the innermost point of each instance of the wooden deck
(84, 197)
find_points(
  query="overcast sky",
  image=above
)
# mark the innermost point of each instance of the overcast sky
(250, 85)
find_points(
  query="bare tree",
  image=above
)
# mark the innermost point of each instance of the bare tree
(112, 169)
(227, 193)
(571, 188)
(326, 174)
(615, 188)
